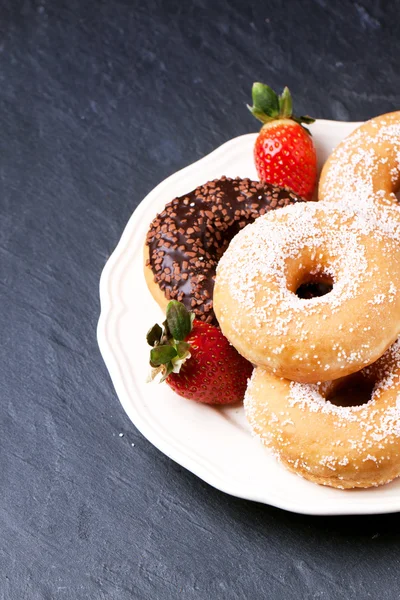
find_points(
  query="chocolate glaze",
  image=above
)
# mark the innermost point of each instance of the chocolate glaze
(189, 237)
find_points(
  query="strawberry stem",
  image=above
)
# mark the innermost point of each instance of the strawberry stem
(169, 349)
(268, 106)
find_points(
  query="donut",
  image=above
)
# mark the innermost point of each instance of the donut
(185, 242)
(365, 167)
(344, 434)
(261, 311)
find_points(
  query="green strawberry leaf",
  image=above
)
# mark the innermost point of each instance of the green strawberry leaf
(265, 103)
(265, 100)
(306, 119)
(162, 355)
(300, 122)
(285, 104)
(178, 320)
(258, 114)
(154, 334)
(167, 333)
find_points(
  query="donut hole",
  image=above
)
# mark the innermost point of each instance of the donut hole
(354, 390)
(314, 286)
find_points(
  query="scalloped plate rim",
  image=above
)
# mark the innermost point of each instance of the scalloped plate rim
(111, 309)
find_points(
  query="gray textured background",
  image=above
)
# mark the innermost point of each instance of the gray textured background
(99, 101)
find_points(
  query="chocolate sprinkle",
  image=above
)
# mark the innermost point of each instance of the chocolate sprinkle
(191, 234)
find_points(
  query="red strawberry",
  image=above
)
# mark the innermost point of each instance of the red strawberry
(284, 152)
(197, 361)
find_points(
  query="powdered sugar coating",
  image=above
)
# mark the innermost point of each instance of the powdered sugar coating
(343, 446)
(365, 168)
(334, 445)
(257, 277)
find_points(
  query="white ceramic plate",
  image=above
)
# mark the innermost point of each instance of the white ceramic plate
(214, 443)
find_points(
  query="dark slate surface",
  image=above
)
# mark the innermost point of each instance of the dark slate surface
(99, 101)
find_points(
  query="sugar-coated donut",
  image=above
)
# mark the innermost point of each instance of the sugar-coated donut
(365, 167)
(185, 242)
(329, 444)
(321, 338)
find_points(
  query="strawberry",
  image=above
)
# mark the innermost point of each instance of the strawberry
(196, 360)
(284, 152)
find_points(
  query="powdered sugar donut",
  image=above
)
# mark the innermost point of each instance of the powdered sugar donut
(365, 167)
(339, 446)
(260, 276)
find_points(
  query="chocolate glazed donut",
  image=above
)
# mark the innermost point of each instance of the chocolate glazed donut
(186, 241)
